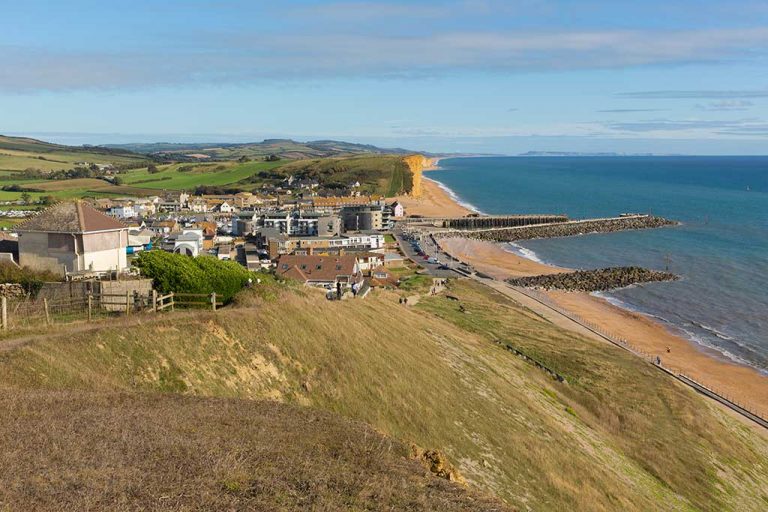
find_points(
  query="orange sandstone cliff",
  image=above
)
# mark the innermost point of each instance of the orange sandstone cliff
(417, 164)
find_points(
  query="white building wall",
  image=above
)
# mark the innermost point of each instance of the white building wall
(105, 260)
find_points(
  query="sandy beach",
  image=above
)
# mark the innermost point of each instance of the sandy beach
(742, 383)
(434, 202)
(739, 382)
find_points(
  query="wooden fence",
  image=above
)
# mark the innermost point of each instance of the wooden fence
(27, 313)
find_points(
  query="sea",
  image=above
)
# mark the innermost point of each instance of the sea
(720, 250)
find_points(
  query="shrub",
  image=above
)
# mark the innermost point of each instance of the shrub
(182, 274)
(30, 280)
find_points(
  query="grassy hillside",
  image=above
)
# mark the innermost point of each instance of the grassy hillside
(284, 148)
(385, 175)
(125, 452)
(189, 176)
(19, 153)
(619, 435)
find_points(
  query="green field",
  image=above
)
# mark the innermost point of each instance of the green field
(173, 177)
(17, 154)
(378, 174)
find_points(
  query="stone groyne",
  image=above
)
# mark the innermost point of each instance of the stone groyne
(603, 279)
(561, 229)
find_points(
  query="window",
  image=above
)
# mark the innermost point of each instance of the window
(285, 266)
(61, 242)
(303, 267)
(319, 267)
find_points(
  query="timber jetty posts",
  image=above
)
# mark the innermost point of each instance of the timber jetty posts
(484, 221)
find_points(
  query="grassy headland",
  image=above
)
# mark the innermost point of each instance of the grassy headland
(619, 435)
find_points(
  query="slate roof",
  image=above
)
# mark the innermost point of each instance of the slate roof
(70, 217)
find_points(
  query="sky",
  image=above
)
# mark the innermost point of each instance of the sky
(476, 76)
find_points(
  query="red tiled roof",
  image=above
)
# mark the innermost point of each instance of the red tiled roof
(316, 268)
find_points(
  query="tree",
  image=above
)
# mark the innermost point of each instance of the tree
(152, 169)
(117, 180)
(272, 158)
(26, 197)
(182, 274)
(47, 200)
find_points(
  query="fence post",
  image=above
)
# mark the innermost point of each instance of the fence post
(213, 301)
(154, 300)
(127, 303)
(47, 316)
(4, 306)
(90, 305)
(173, 301)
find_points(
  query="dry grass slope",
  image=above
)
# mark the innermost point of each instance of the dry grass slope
(618, 436)
(165, 452)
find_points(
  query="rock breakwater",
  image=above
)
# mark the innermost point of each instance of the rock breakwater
(603, 279)
(562, 229)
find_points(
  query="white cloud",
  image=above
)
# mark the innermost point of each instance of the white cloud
(244, 57)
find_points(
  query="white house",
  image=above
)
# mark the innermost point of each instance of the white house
(397, 209)
(225, 207)
(189, 242)
(123, 211)
(72, 237)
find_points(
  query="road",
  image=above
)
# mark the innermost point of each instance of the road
(445, 267)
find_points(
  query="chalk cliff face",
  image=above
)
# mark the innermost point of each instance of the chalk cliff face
(417, 164)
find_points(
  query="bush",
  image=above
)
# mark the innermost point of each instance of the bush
(182, 274)
(30, 280)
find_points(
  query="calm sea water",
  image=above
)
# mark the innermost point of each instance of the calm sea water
(721, 250)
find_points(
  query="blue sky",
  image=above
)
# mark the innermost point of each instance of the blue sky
(466, 75)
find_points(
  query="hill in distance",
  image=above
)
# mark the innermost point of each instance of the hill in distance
(284, 148)
(19, 153)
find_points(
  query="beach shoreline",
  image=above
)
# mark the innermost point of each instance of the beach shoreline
(736, 380)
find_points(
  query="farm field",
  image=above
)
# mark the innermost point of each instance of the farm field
(188, 176)
(17, 154)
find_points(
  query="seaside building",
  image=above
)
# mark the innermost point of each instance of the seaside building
(323, 271)
(73, 237)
